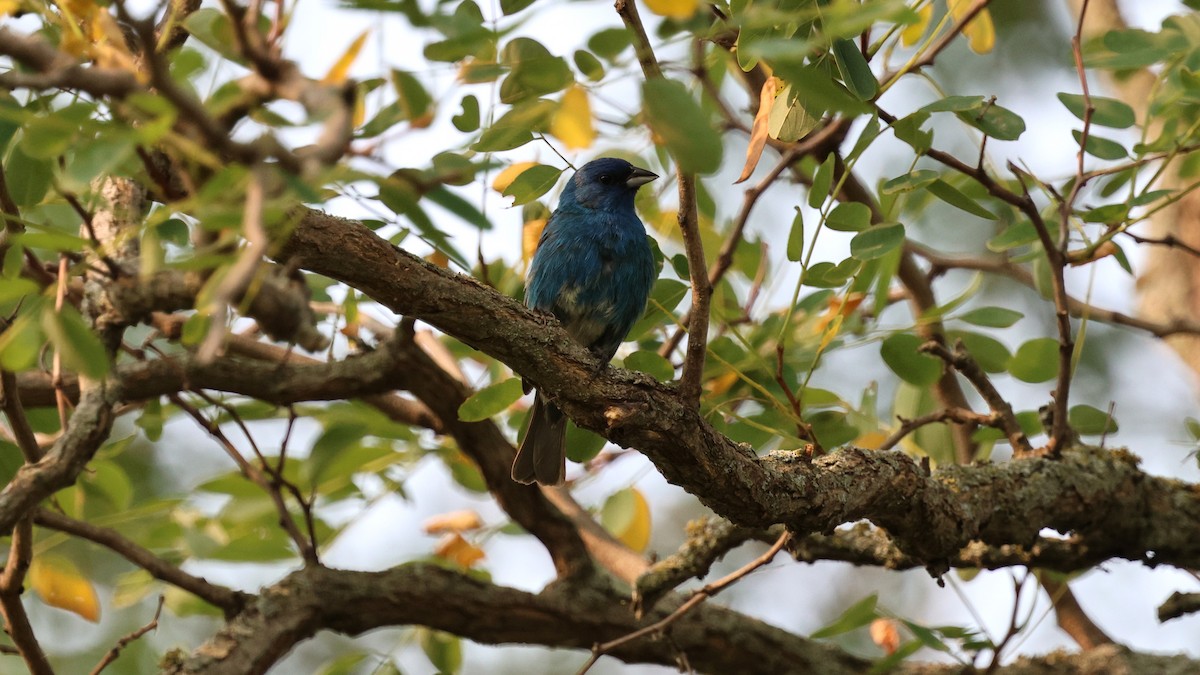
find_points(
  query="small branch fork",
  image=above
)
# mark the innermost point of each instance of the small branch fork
(124, 642)
(1002, 413)
(305, 544)
(697, 597)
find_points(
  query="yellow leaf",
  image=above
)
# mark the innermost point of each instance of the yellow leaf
(673, 9)
(758, 132)
(78, 10)
(980, 32)
(59, 584)
(835, 327)
(440, 259)
(341, 68)
(572, 123)
(839, 306)
(509, 174)
(871, 440)
(626, 516)
(885, 634)
(464, 520)
(723, 383)
(912, 33)
(457, 550)
(360, 109)
(530, 236)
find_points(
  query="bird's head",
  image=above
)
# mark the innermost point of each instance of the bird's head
(607, 183)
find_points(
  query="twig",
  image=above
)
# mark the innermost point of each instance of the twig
(803, 429)
(16, 620)
(306, 547)
(1179, 604)
(959, 415)
(1014, 624)
(124, 642)
(928, 56)
(961, 361)
(697, 326)
(228, 600)
(698, 597)
(1060, 434)
(1070, 615)
(947, 389)
(60, 394)
(241, 273)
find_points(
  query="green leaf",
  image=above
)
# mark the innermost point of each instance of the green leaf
(81, 350)
(829, 275)
(996, 121)
(877, 241)
(510, 7)
(1100, 147)
(795, 242)
(532, 183)
(991, 317)
(610, 42)
(855, 70)
(151, 419)
(1106, 112)
(832, 428)
(954, 197)
(491, 400)
(990, 353)
(48, 136)
(651, 363)
(1035, 361)
(467, 120)
(857, 615)
(927, 637)
(443, 650)
(1109, 213)
(909, 181)
(28, 178)
(497, 138)
(849, 217)
(1019, 233)
(589, 65)
(15, 289)
(21, 343)
(1091, 421)
(908, 129)
(954, 104)
(346, 664)
(411, 96)
(682, 125)
(821, 183)
(458, 206)
(534, 71)
(582, 445)
(899, 352)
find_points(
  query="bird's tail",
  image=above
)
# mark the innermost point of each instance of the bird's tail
(542, 456)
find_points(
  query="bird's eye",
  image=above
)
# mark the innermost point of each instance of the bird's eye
(606, 179)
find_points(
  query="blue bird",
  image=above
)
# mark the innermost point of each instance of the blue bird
(593, 270)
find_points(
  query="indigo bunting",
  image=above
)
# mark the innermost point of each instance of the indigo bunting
(593, 270)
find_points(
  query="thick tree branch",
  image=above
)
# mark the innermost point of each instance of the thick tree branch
(1113, 506)
(713, 639)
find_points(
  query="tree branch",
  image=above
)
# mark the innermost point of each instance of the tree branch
(1116, 509)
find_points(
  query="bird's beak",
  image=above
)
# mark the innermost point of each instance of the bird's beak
(640, 177)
